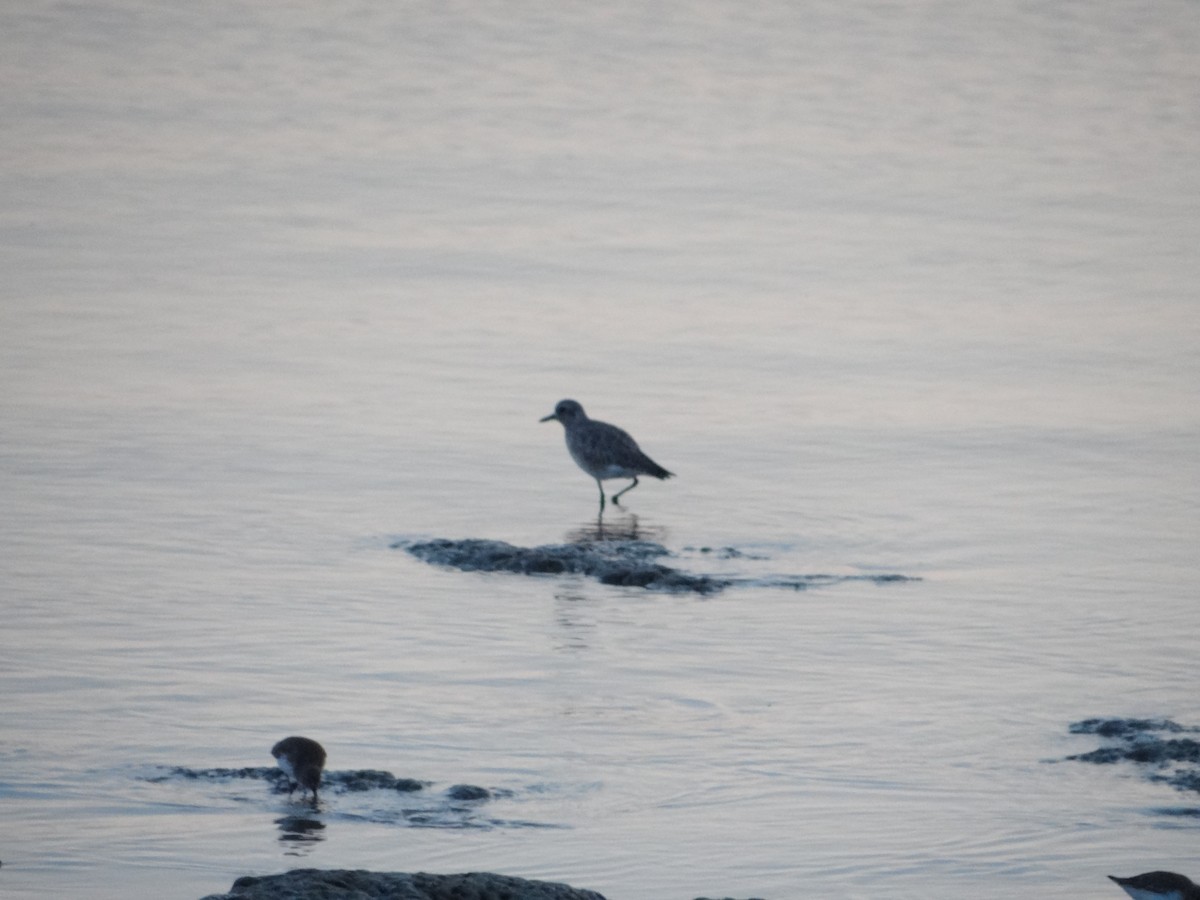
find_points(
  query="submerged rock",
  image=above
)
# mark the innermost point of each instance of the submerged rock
(1185, 780)
(468, 792)
(1138, 741)
(1124, 728)
(1182, 812)
(369, 795)
(326, 884)
(372, 780)
(625, 563)
(265, 773)
(1145, 751)
(337, 782)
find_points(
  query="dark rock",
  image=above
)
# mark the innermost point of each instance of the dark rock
(1121, 728)
(391, 800)
(1174, 750)
(625, 563)
(1138, 742)
(1101, 755)
(1185, 780)
(346, 884)
(260, 772)
(338, 782)
(468, 792)
(371, 780)
(361, 780)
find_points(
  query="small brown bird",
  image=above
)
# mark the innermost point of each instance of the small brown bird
(1159, 886)
(603, 451)
(302, 760)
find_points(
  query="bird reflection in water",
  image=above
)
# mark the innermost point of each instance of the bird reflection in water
(299, 833)
(623, 528)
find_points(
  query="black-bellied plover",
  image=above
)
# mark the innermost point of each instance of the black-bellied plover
(302, 760)
(1159, 886)
(603, 451)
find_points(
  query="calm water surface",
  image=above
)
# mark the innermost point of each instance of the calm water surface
(893, 288)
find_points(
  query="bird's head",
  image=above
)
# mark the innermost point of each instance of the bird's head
(566, 411)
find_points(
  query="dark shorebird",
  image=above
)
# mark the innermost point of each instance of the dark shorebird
(603, 451)
(1159, 886)
(302, 760)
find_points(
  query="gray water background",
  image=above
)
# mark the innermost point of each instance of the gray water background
(892, 287)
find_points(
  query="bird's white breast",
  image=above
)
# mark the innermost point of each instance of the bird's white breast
(1139, 894)
(286, 764)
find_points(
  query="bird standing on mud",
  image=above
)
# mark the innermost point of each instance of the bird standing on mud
(603, 451)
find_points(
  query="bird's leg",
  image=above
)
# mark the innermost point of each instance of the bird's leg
(617, 496)
(601, 486)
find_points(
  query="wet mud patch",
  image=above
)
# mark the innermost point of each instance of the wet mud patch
(1161, 747)
(364, 795)
(625, 563)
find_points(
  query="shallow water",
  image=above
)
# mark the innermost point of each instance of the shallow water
(892, 289)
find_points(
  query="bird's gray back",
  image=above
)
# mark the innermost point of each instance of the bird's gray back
(606, 451)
